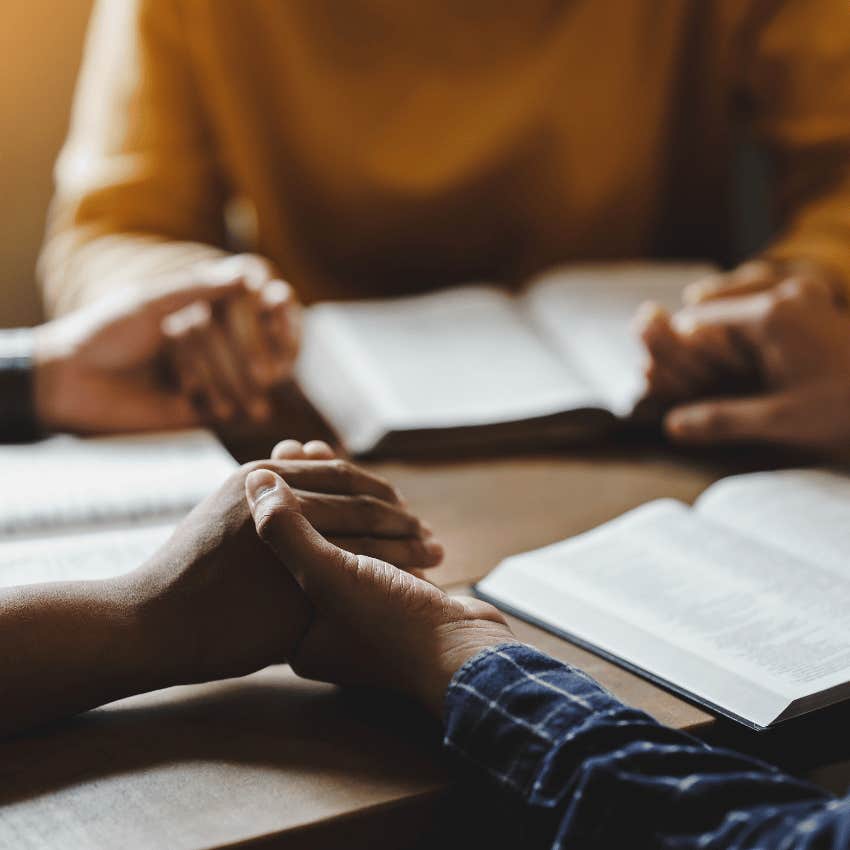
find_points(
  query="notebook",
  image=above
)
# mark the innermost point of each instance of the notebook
(477, 365)
(740, 603)
(77, 508)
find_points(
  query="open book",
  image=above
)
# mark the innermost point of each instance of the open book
(476, 364)
(741, 603)
(74, 508)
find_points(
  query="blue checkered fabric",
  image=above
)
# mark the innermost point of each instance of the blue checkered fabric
(589, 771)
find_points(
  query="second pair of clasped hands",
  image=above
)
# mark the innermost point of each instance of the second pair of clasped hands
(302, 558)
(761, 353)
(208, 347)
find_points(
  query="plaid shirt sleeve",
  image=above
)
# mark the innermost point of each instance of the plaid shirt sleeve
(590, 772)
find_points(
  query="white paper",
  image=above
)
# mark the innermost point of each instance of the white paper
(70, 483)
(805, 512)
(743, 626)
(587, 314)
(475, 355)
(79, 557)
(464, 356)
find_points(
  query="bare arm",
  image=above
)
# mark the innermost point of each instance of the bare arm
(69, 647)
(212, 603)
(139, 196)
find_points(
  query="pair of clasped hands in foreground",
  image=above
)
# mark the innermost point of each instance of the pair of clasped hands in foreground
(761, 353)
(302, 558)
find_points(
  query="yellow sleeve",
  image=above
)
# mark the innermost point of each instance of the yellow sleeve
(138, 192)
(797, 79)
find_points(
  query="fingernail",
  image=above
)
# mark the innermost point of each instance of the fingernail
(426, 527)
(259, 484)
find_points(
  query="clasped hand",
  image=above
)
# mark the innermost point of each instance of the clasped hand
(761, 355)
(208, 347)
(316, 567)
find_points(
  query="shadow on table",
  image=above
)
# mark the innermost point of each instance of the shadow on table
(271, 719)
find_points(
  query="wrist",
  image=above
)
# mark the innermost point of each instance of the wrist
(18, 420)
(140, 660)
(51, 360)
(459, 645)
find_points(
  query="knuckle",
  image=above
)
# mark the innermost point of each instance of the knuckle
(201, 312)
(370, 509)
(256, 268)
(781, 314)
(796, 287)
(342, 469)
(172, 328)
(362, 570)
(257, 261)
(687, 321)
(384, 486)
(199, 325)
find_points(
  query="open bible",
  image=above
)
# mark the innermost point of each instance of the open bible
(76, 509)
(741, 603)
(476, 364)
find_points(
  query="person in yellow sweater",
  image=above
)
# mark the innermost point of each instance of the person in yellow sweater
(373, 148)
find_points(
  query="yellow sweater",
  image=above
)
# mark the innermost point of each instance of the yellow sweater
(394, 145)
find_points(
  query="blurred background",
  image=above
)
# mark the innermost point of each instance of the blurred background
(41, 42)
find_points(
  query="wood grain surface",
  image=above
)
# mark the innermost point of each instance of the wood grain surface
(270, 760)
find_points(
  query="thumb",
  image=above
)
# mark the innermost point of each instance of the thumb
(762, 418)
(317, 565)
(210, 292)
(754, 276)
(211, 281)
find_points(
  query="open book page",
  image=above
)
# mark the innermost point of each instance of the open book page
(693, 603)
(805, 512)
(455, 358)
(587, 313)
(68, 482)
(77, 557)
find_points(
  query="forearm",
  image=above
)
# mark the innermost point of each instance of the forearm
(77, 267)
(591, 772)
(139, 190)
(68, 647)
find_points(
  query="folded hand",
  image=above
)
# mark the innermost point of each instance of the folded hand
(208, 347)
(373, 624)
(215, 602)
(771, 366)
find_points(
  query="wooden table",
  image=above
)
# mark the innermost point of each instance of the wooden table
(270, 760)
